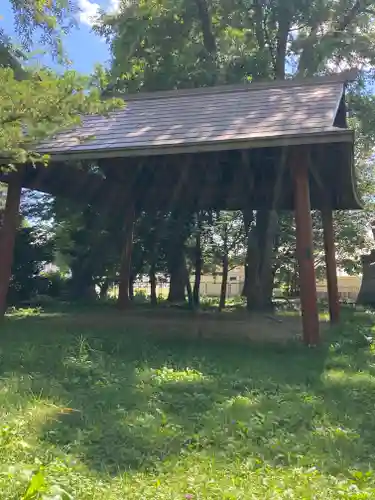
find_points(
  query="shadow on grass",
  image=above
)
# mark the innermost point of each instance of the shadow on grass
(141, 404)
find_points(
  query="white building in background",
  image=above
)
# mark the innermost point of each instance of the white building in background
(50, 268)
(211, 283)
(348, 286)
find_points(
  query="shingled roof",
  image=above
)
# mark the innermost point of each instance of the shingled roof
(207, 119)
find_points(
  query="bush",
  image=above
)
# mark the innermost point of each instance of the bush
(31, 252)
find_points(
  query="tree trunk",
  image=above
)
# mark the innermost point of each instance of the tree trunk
(248, 216)
(295, 282)
(266, 250)
(82, 286)
(224, 282)
(366, 296)
(209, 40)
(131, 287)
(177, 283)
(8, 230)
(246, 278)
(198, 269)
(252, 285)
(189, 290)
(176, 257)
(260, 275)
(125, 267)
(281, 41)
(153, 297)
(267, 224)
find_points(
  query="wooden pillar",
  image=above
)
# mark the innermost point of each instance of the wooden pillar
(8, 235)
(126, 258)
(331, 270)
(309, 306)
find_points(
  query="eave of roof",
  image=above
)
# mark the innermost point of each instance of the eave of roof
(333, 135)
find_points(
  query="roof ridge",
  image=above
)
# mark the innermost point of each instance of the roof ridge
(343, 77)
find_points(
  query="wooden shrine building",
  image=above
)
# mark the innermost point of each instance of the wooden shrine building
(230, 147)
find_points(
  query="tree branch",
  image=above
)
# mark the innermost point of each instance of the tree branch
(12, 119)
(351, 15)
(269, 43)
(259, 24)
(307, 50)
(337, 28)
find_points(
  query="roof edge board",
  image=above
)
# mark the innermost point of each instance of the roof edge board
(343, 78)
(336, 109)
(340, 135)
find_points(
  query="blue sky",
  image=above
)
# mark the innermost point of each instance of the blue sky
(83, 47)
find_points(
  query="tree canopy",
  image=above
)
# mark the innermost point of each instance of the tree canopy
(42, 21)
(170, 44)
(38, 102)
(32, 108)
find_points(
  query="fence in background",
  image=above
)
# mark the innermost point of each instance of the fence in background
(348, 288)
(207, 289)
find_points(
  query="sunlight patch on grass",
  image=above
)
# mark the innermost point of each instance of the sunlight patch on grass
(362, 380)
(323, 316)
(200, 477)
(167, 374)
(334, 432)
(240, 407)
(24, 312)
(29, 414)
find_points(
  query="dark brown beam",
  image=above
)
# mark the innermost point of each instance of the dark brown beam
(331, 268)
(310, 319)
(8, 235)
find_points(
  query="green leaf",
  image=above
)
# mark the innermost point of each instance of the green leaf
(36, 486)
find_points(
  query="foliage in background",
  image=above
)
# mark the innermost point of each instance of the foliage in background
(35, 103)
(41, 23)
(49, 18)
(89, 242)
(33, 250)
(168, 44)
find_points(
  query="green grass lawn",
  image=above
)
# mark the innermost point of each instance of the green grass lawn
(103, 414)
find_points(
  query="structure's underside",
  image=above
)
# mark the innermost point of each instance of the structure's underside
(231, 180)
